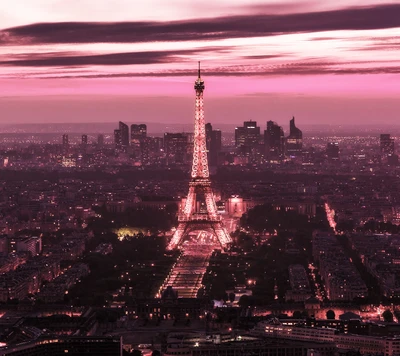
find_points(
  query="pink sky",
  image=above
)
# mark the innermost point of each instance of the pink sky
(86, 60)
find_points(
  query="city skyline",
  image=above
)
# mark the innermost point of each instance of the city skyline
(262, 60)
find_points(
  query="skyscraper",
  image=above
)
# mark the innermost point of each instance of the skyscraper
(151, 150)
(65, 143)
(84, 140)
(124, 132)
(65, 139)
(214, 144)
(332, 151)
(138, 136)
(294, 142)
(386, 145)
(247, 135)
(117, 139)
(176, 148)
(274, 141)
(248, 142)
(138, 132)
(100, 140)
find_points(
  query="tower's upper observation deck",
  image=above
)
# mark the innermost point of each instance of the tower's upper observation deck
(199, 83)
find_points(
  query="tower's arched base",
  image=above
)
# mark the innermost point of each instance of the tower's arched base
(185, 228)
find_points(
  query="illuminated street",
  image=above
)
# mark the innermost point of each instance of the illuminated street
(330, 215)
(187, 274)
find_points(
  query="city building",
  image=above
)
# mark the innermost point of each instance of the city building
(364, 344)
(138, 132)
(341, 279)
(124, 132)
(386, 145)
(176, 147)
(300, 289)
(248, 142)
(65, 143)
(214, 144)
(274, 141)
(247, 135)
(32, 245)
(152, 150)
(84, 140)
(238, 344)
(294, 142)
(138, 139)
(387, 149)
(332, 151)
(100, 140)
(117, 139)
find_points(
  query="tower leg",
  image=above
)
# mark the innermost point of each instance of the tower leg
(178, 236)
(210, 203)
(222, 234)
(190, 201)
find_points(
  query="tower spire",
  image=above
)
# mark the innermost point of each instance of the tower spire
(199, 69)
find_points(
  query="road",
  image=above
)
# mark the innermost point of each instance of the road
(187, 274)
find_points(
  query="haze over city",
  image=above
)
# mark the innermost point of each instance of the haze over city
(91, 61)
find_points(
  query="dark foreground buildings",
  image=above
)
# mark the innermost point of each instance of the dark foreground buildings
(64, 345)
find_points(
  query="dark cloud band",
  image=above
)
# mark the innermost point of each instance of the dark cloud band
(361, 18)
(83, 59)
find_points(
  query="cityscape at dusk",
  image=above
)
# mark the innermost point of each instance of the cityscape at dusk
(214, 178)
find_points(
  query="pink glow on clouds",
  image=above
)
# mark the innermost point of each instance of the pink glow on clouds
(321, 85)
(22, 12)
(326, 63)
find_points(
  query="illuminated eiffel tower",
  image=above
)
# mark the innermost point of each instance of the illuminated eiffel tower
(200, 210)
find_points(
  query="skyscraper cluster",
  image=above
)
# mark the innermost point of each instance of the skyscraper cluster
(273, 147)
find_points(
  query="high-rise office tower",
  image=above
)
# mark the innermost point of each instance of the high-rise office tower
(117, 139)
(138, 137)
(386, 145)
(100, 140)
(152, 149)
(248, 134)
(274, 141)
(84, 140)
(138, 132)
(176, 148)
(208, 128)
(249, 142)
(294, 142)
(332, 151)
(65, 143)
(65, 140)
(214, 144)
(124, 132)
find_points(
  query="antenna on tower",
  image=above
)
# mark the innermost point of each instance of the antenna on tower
(199, 69)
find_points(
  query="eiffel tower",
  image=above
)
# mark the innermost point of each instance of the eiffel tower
(200, 210)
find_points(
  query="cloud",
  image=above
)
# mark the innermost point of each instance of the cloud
(301, 68)
(251, 25)
(68, 59)
(380, 44)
